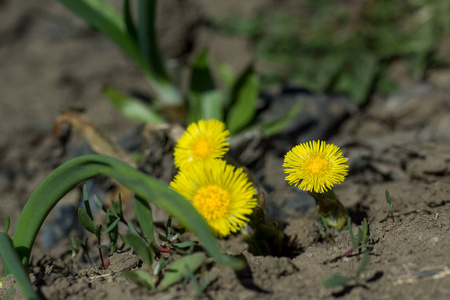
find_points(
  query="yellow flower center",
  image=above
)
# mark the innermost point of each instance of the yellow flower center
(317, 165)
(212, 202)
(201, 148)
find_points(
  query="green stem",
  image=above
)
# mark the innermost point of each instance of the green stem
(331, 209)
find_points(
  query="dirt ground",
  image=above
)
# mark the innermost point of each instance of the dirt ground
(50, 61)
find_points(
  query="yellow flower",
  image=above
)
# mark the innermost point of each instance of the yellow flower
(221, 193)
(201, 141)
(315, 166)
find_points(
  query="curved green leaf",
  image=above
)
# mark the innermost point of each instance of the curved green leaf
(180, 269)
(138, 244)
(70, 174)
(132, 108)
(243, 101)
(145, 218)
(86, 221)
(11, 261)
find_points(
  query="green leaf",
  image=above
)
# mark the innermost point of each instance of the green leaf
(275, 126)
(141, 248)
(205, 102)
(350, 232)
(243, 101)
(145, 218)
(12, 262)
(335, 280)
(70, 174)
(389, 202)
(227, 75)
(141, 278)
(86, 221)
(129, 23)
(86, 202)
(100, 204)
(114, 206)
(178, 270)
(363, 264)
(168, 227)
(132, 108)
(185, 244)
(7, 224)
(132, 229)
(206, 106)
(201, 78)
(147, 38)
(110, 227)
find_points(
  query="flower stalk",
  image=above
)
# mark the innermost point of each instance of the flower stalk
(331, 209)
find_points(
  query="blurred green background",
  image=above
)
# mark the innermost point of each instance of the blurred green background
(348, 47)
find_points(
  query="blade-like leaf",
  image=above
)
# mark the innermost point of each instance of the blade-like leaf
(132, 108)
(147, 38)
(141, 277)
(178, 270)
(227, 75)
(205, 102)
(201, 78)
(140, 246)
(145, 218)
(110, 227)
(335, 280)
(70, 174)
(11, 262)
(184, 244)
(243, 101)
(7, 223)
(363, 264)
(275, 126)
(212, 105)
(129, 23)
(350, 232)
(86, 221)
(86, 202)
(100, 204)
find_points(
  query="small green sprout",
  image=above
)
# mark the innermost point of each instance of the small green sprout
(77, 243)
(362, 239)
(390, 205)
(87, 221)
(357, 280)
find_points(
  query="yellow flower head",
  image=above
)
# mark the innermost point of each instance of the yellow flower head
(315, 166)
(202, 141)
(221, 193)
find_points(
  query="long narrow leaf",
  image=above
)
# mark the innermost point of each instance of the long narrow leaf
(145, 218)
(272, 127)
(86, 221)
(145, 253)
(110, 227)
(11, 262)
(147, 38)
(243, 101)
(69, 175)
(129, 23)
(205, 102)
(132, 108)
(180, 269)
